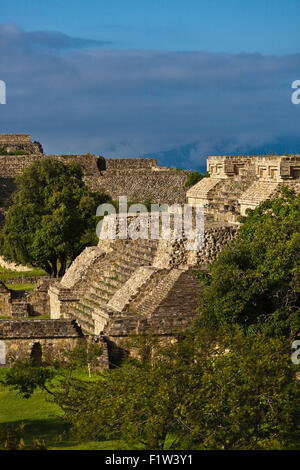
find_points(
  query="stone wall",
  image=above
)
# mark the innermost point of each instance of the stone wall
(12, 138)
(13, 266)
(126, 163)
(273, 168)
(54, 337)
(19, 142)
(26, 279)
(174, 253)
(139, 183)
(61, 301)
(240, 182)
(52, 348)
(15, 303)
(25, 328)
(38, 300)
(13, 165)
(5, 301)
(142, 185)
(12, 303)
(140, 179)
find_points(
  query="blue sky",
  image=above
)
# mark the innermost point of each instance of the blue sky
(265, 26)
(177, 79)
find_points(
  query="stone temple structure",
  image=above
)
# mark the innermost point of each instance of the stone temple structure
(142, 286)
(127, 286)
(124, 287)
(20, 143)
(237, 183)
(140, 179)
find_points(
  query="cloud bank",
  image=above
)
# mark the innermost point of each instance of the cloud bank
(77, 95)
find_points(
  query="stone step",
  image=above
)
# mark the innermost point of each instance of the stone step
(120, 267)
(125, 269)
(82, 306)
(143, 251)
(111, 281)
(88, 304)
(98, 295)
(140, 260)
(122, 277)
(104, 310)
(83, 320)
(94, 298)
(95, 303)
(103, 287)
(127, 261)
(151, 302)
(81, 313)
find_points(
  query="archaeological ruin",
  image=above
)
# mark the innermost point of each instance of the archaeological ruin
(135, 286)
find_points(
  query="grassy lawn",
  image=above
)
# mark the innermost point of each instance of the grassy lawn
(39, 317)
(8, 273)
(43, 420)
(20, 286)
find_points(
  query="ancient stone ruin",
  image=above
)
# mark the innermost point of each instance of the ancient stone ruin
(125, 287)
(140, 179)
(237, 183)
(141, 286)
(12, 143)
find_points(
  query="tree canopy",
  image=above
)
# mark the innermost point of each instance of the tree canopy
(194, 177)
(228, 383)
(205, 391)
(254, 282)
(51, 218)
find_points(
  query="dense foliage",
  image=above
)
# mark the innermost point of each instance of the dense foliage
(206, 391)
(255, 281)
(52, 216)
(229, 383)
(194, 177)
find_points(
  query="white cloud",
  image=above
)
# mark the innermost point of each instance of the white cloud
(76, 96)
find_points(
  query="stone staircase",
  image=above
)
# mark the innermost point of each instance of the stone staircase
(258, 192)
(168, 306)
(92, 311)
(150, 303)
(224, 197)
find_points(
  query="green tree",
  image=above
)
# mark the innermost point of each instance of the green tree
(51, 218)
(134, 403)
(242, 394)
(52, 376)
(254, 282)
(206, 391)
(194, 177)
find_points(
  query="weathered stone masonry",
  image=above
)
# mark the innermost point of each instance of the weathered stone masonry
(15, 303)
(20, 338)
(147, 286)
(125, 287)
(138, 286)
(19, 142)
(238, 183)
(54, 337)
(137, 178)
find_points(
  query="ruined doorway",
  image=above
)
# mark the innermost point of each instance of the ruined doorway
(36, 354)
